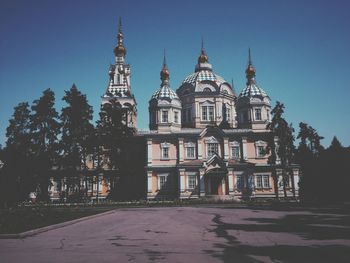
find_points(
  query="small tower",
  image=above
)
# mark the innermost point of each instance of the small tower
(253, 104)
(165, 106)
(119, 87)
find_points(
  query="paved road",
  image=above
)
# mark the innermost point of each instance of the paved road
(191, 234)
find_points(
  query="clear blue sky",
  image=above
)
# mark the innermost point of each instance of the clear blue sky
(300, 50)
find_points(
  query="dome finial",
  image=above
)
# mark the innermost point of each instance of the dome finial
(120, 50)
(250, 71)
(164, 61)
(249, 58)
(203, 58)
(164, 73)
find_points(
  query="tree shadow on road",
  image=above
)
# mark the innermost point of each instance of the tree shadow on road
(320, 227)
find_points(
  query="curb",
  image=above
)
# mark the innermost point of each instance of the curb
(52, 227)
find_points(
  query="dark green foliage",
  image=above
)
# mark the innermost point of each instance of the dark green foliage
(17, 177)
(45, 129)
(283, 134)
(76, 135)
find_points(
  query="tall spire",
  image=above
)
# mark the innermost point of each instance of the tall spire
(164, 73)
(120, 50)
(250, 71)
(249, 58)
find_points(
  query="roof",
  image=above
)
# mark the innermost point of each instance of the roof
(165, 92)
(252, 90)
(203, 75)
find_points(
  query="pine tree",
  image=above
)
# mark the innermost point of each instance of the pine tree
(17, 172)
(113, 134)
(45, 129)
(76, 131)
(283, 152)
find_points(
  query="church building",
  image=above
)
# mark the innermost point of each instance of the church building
(203, 138)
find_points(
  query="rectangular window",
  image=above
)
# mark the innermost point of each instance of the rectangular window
(228, 114)
(262, 181)
(235, 152)
(239, 181)
(176, 117)
(266, 181)
(165, 153)
(259, 181)
(163, 182)
(190, 152)
(260, 151)
(164, 116)
(212, 148)
(192, 182)
(258, 114)
(207, 113)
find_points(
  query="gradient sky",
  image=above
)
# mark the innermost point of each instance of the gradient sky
(300, 50)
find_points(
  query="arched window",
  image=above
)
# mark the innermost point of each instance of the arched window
(206, 90)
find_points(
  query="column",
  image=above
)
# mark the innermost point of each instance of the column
(296, 181)
(149, 152)
(181, 150)
(149, 182)
(230, 181)
(182, 182)
(226, 149)
(200, 153)
(244, 148)
(201, 182)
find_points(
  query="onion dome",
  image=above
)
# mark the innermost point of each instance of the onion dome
(120, 50)
(203, 58)
(203, 72)
(251, 89)
(165, 92)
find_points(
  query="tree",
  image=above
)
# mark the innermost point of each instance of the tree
(17, 171)
(44, 129)
(76, 132)
(307, 155)
(113, 133)
(282, 152)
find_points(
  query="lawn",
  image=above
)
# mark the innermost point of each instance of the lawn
(21, 219)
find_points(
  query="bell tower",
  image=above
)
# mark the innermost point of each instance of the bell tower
(119, 87)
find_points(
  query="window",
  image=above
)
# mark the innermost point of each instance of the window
(260, 151)
(262, 181)
(228, 114)
(163, 182)
(259, 181)
(260, 147)
(268, 115)
(191, 182)
(176, 117)
(266, 181)
(164, 147)
(190, 152)
(206, 90)
(235, 152)
(207, 113)
(258, 114)
(239, 181)
(164, 116)
(165, 153)
(212, 148)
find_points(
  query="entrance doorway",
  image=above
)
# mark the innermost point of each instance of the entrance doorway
(215, 183)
